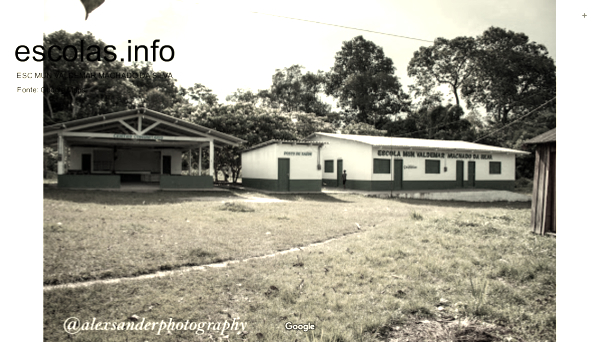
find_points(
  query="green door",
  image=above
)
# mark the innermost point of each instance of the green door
(460, 169)
(283, 174)
(471, 181)
(398, 167)
(340, 170)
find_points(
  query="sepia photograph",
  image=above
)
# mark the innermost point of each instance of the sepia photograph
(382, 171)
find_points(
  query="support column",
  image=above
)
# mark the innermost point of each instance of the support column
(61, 155)
(189, 158)
(212, 157)
(200, 160)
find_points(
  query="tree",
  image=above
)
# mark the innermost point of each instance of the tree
(247, 96)
(249, 122)
(433, 122)
(363, 81)
(447, 62)
(362, 128)
(77, 88)
(293, 91)
(150, 85)
(305, 124)
(65, 95)
(157, 100)
(510, 75)
(200, 94)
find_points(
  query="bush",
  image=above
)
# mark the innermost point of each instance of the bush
(524, 183)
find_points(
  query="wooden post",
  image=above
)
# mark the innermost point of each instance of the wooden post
(211, 161)
(61, 154)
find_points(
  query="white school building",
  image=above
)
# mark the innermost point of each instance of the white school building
(375, 163)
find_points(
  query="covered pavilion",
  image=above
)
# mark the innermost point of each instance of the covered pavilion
(136, 145)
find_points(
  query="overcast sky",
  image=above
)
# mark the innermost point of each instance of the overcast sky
(225, 46)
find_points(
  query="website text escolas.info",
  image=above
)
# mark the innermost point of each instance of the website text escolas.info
(94, 53)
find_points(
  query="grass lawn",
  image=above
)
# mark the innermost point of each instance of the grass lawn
(96, 235)
(415, 271)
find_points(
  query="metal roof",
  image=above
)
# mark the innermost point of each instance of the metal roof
(547, 137)
(412, 143)
(288, 142)
(51, 131)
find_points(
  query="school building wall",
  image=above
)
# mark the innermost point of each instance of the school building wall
(353, 156)
(414, 163)
(358, 160)
(260, 168)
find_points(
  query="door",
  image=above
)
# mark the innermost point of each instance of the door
(398, 168)
(86, 163)
(471, 181)
(283, 174)
(460, 177)
(340, 170)
(166, 165)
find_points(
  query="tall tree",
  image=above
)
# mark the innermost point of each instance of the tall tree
(293, 91)
(511, 75)
(363, 80)
(200, 94)
(73, 84)
(446, 62)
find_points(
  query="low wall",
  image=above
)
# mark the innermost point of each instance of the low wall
(296, 185)
(89, 181)
(186, 182)
(424, 185)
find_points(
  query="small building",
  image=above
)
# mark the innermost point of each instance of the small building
(376, 163)
(280, 165)
(543, 200)
(138, 145)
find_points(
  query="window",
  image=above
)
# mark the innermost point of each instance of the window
(381, 166)
(329, 166)
(103, 160)
(495, 168)
(432, 166)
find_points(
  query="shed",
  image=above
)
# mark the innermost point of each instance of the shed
(543, 202)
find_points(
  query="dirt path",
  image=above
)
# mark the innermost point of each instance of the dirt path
(185, 269)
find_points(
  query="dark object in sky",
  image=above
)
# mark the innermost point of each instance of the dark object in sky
(91, 5)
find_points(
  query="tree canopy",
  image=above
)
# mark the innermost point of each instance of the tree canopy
(293, 91)
(446, 62)
(510, 75)
(75, 89)
(363, 80)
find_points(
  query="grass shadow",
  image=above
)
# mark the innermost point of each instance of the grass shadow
(464, 204)
(134, 198)
(309, 198)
